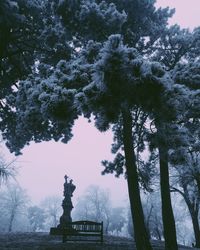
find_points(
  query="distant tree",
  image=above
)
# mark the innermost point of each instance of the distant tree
(94, 205)
(188, 188)
(130, 228)
(117, 220)
(53, 209)
(153, 215)
(185, 233)
(14, 200)
(36, 217)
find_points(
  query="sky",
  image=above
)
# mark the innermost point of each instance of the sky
(187, 12)
(43, 165)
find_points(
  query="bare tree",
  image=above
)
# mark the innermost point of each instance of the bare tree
(153, 216)
(53, 209)
(36, 217)
(186, 182)
(95, 205)
(117, 220)
(14, 200)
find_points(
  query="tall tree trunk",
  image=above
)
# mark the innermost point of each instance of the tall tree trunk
(147, 222)
(193, 214)
(11, 222)
(140, 232)
(158, 234)
(167, 212)
(195, 223)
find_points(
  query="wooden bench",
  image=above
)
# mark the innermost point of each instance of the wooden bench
(84, 231)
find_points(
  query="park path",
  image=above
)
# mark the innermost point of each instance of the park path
(43, 241)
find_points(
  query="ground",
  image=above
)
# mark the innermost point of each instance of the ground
(44, 241)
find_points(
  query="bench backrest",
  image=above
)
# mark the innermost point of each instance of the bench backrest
(87, 226)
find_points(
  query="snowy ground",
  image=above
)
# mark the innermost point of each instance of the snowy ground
(43, 241)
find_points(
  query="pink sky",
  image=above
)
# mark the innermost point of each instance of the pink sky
(187, 12)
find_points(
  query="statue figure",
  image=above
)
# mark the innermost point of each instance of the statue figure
(68, 188)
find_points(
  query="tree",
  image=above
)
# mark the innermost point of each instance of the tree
(189, 191)
(108, 97)
(15, 200)
(27, 31)
(30, 34)
(185, 234)
(19, 27)
(130, 227)
(172, 49)
(7, 170)
(117, 220)
(95, 205)
(186, 160)
(36, 217)
(153, 216)
(52, 208)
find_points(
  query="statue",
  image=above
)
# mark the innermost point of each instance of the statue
(68, 188)
(67, 206)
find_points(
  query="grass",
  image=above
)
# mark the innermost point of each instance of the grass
(44, 241)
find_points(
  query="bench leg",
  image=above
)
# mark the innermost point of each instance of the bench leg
(101, 238)
(64, 238)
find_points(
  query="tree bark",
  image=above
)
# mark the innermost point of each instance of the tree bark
(195, 223)
(11, 222)
(194, 216)
(158, 234)
(167, 212)
(140, 232)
